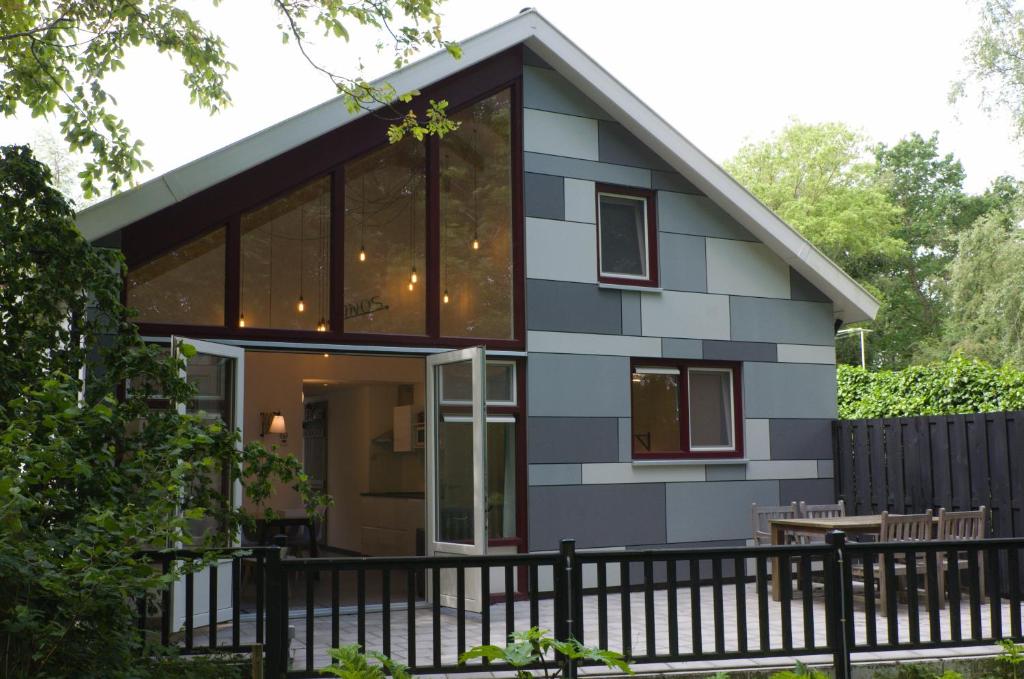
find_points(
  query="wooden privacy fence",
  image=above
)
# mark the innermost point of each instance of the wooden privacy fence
(910, 464)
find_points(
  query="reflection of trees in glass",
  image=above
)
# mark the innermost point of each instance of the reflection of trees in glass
(476, 203)
(385, 213)
(286, 253)
(185, 285)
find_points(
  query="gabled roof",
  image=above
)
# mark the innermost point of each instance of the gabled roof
(852, 302)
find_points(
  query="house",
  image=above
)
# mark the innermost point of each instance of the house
(655, 347)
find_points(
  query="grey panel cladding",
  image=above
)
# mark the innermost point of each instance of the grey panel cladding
(531, 58)
(672, 347)
(617, 145)
(555, 474)
(789, 390)
(575, 168)
(811, 491)
(553, 440)
(684, 264)
(572, 307)
(672, 181)
(568, 385)
(544, 196)
(722, 350)
(759, 319)
(726, 472)
(631, 313)
(697, 216)
(715, 511)
(801, 439)
(546, 90)
(802, 289)
(597, 516)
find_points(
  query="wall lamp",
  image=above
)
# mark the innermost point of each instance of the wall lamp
(273, 423)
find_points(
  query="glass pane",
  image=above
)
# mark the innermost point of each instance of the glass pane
(476, 222)
(501, 479)
(457, 385)
(286, 261)
(501, 382)
(655, 413)
(623, 236)
(710, 408)
(185, 285)
(213, 377)
(454, 469)
(385, 241)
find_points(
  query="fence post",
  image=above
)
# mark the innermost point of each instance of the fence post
(837, 603)
(566, 593)
(277, 612)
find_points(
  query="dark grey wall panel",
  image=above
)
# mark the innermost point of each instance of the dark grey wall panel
(572, 307)
(531, 58)
(803, 289)
(697, 216)
(568, 385)
(576, 168)
(572, 439)
(684, 264)
(811, 491)
(801, 439)
(547, 90)
(757, 319)
(673, 181)
(672, 347)
(544, 196)
(597, 516)
(715, 511)
(617, 145)
(722, 350)
(726, 472)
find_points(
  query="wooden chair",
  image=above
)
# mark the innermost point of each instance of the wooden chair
(901, 528)
(968, 525)
(762, 515)
(826, 511)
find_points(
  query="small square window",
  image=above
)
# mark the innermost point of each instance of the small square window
(627, 240)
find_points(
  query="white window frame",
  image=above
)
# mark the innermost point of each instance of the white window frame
(647, 277)
(514, 382)
(732, 410)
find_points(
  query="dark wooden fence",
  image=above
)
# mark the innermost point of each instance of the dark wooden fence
(910, 464)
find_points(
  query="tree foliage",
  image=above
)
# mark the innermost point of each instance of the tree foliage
(955, 386)
(91, 472)
(56, 54)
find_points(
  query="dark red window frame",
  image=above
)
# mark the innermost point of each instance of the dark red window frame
(224, 203)
(653, 263)
(684, 452)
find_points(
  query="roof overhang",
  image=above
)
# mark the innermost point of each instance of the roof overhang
(852, 302)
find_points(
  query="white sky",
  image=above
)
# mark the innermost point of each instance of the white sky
(721, 72)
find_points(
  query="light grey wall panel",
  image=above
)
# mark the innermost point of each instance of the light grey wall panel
(631, 324)
(585, 169)
(546, 90)
(789, 390)
(742, 268)
(681, 348)
(757, 439)
(572, 307)
(561, 251)
(578, 386)
(715, 511)
(801, 439)
(572, 439)
(592, 343)
(673, 181)
(801, 288)
(560, 134)
(720, 350)
(554, 474)
(811, 491)
(544, 196)
(683, 262)
(782, 469)
(649, 472)
(726, 472)
(618, 146)
(807, 353)
(697, 216)
(756, 319)
(597, 516)
(686, 314)
(580, 200)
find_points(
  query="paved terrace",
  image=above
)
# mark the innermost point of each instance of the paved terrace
(424, 642)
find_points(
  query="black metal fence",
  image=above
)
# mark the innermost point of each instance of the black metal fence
(808, 600)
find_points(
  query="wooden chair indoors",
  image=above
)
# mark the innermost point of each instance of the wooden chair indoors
(967, 525)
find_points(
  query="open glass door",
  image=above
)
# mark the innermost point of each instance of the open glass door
(457, 466)
(218, 372)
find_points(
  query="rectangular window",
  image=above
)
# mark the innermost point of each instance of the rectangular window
(627, 236)
(685, 409)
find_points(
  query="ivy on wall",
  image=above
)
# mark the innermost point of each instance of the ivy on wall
(955, 386)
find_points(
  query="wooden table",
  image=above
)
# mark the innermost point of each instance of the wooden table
(268, 528)
(856, 525)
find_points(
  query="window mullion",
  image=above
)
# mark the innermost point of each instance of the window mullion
(684, 408)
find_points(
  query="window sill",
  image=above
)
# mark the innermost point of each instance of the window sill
(626, 286)
(689, 462)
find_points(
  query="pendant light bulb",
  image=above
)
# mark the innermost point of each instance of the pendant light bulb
(322, 325)
(476, 243)
(411, 286)
(241, 320)
(414, 278)
(445, 298)
(301, 305)
(362, 254)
